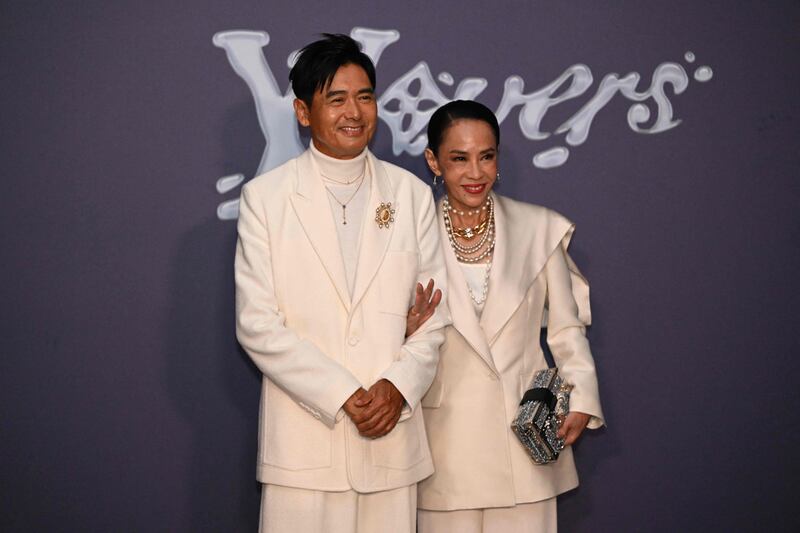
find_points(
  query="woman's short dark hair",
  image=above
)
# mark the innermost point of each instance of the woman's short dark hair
(318, 62)
(444, 117)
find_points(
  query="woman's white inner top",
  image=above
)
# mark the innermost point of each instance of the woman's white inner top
(475, 274)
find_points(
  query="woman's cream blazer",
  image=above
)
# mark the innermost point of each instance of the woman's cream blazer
(487, 363)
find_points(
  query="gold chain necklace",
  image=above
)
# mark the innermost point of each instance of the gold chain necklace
(470, 232)
(344, 204)
(479, 251)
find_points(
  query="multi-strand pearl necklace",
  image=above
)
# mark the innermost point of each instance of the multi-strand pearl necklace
(470, 212)
(470, 231)
(475, 253)
(478, 251)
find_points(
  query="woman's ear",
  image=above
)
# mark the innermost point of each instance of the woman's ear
(433, 164)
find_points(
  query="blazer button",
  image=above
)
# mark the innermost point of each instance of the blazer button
(353, 340)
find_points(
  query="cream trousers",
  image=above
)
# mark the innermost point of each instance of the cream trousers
(536, 517)
(290, 510)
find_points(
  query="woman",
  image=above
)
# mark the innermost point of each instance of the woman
(508, 275)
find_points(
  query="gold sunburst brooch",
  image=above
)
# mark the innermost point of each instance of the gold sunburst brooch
(384, 215)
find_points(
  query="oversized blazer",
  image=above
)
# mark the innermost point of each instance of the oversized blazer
(316, 344)
(487, 363)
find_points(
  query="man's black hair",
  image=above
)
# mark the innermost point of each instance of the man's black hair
(318, 62)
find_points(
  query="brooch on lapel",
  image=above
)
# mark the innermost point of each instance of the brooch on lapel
(384, 214)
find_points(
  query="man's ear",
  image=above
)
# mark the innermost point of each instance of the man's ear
(302, 112)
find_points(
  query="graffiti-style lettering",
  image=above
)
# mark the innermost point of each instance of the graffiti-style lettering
(407, 104)
(418, 107)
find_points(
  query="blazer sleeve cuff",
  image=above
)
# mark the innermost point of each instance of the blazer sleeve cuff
(407, 388)
(333, 412)
(591, 408)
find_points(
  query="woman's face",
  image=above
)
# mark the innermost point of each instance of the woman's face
(467, 161)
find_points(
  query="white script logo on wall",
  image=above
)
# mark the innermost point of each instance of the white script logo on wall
(407, 113)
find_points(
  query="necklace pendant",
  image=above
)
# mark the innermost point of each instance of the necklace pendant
(468, 233)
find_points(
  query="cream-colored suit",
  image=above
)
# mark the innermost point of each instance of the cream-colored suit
(487, 364)
(315, 344)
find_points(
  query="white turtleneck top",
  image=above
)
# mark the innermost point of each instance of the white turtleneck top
(348, 182)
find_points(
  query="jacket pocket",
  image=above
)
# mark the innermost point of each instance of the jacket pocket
(402, 448)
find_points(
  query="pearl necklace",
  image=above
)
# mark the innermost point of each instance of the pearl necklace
(483, 248)
(484, 289)
(470, 212)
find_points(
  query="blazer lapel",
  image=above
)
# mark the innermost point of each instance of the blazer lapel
(374, 240)
(312, 206)
(525, 240)
(510, 277)
(462, 310)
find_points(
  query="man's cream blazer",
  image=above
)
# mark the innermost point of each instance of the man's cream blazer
(486, 365)
(315, 344)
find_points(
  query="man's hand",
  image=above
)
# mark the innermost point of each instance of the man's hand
(350, 407)
(380, 408)
(425, 302)
(572, 427)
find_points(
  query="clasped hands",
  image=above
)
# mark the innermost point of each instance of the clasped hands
(376, 411)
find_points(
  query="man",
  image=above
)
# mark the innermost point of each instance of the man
(330, 247)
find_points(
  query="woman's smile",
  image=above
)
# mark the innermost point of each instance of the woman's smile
(476, 189)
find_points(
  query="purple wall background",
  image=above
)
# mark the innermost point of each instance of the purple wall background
(125, 401)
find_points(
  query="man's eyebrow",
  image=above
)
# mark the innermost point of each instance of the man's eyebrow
(365, 90)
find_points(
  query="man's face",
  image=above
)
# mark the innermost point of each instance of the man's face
(343, 115)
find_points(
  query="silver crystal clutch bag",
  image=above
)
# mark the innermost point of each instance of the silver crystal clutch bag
(538, 417)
